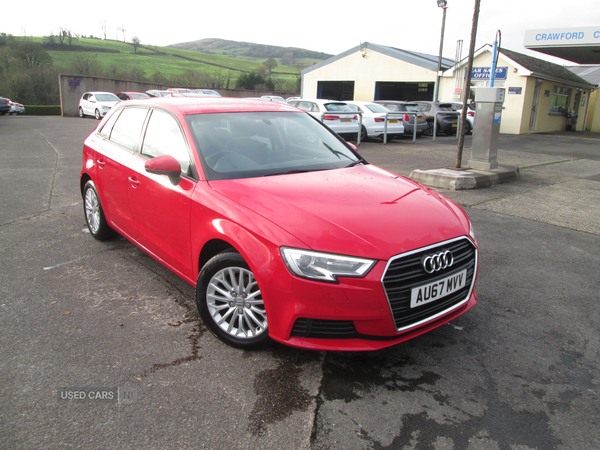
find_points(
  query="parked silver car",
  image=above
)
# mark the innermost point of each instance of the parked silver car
(373, 120)
(407, 118)
(336, 115)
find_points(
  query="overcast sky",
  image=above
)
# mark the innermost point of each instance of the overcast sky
(325, 26)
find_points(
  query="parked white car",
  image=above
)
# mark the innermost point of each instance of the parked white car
(470, 115)
(336, 115)
(373, 121)
(97, 104)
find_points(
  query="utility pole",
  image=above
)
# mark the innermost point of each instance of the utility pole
(444, 5)
(467, 89)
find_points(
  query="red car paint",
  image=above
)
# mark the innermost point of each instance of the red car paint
(362, 211)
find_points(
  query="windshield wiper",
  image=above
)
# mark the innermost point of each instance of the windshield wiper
(355, 163)
(289, 172)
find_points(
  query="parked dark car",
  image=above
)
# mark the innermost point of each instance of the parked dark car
(4, 106)
(408, 119)
(447, 119)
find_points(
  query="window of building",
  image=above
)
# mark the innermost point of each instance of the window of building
(560, 100)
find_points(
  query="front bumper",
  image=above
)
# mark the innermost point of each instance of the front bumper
(372, 312)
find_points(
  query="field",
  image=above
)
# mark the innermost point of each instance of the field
(151, 59)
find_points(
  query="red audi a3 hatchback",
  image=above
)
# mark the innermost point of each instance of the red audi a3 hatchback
(284, 229)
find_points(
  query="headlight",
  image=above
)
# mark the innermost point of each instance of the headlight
(324, 266)
(472, 231)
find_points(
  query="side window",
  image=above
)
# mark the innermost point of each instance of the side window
(164, 137)
(86, 96)
(108, 126)
(126, 131)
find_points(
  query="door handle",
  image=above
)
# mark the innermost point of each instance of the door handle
(101, 163)
(134, 182)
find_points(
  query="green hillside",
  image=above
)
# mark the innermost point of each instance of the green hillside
(150, 59)
(291, 56)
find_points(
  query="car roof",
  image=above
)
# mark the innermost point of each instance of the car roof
(208, 105)
(319, 100)
(100, 92)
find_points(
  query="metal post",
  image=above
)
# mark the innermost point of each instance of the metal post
(493, 68)
(441, 4)
(467, 89)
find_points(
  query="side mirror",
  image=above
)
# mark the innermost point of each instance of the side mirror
(164, 165)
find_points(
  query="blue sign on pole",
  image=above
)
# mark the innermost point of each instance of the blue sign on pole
(483, 73)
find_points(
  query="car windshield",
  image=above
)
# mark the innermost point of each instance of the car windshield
(446, 107)
(248, 145)
(107, 98)
(336, 107)
(412, 108)
(139, 95)
(377, 108)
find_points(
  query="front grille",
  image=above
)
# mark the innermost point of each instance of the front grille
(405, 272)
(324, 329)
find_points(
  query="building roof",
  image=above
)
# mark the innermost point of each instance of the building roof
(546, 69)
(535, 67)
(591, 74)
(429, 62)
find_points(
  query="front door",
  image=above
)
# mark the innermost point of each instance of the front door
(534, 107)
(160, 207)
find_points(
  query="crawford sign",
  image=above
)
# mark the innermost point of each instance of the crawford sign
(562, 36)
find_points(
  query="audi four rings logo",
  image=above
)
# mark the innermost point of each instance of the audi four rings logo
(438, 261)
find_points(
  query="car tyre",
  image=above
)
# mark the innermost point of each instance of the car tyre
(94, 215)
(97, 115)
(468, 128)
(81, 114)
(230, 302)
(363, 134)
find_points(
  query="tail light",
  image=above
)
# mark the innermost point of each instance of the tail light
(327, 117)
(379, 119)
(407, 118)
(424, 116)
(471, 113)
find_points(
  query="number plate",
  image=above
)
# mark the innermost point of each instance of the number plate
(454, 125)
(346, 119)
(434, 291)
(393, 121)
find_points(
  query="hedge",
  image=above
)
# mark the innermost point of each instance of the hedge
(42, 110)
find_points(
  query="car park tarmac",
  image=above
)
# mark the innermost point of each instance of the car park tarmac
(519, 371)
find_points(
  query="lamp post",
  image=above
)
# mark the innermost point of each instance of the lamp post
(444, 5)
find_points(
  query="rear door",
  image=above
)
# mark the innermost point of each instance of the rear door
(116, 142)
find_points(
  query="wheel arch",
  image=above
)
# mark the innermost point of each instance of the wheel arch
(260, 254)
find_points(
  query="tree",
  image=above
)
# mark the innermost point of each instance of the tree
(104, 27)
(136, 43)
(32, 54)
(249, 80)
(270, 64)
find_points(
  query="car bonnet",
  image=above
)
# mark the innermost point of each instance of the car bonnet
(361, 211)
